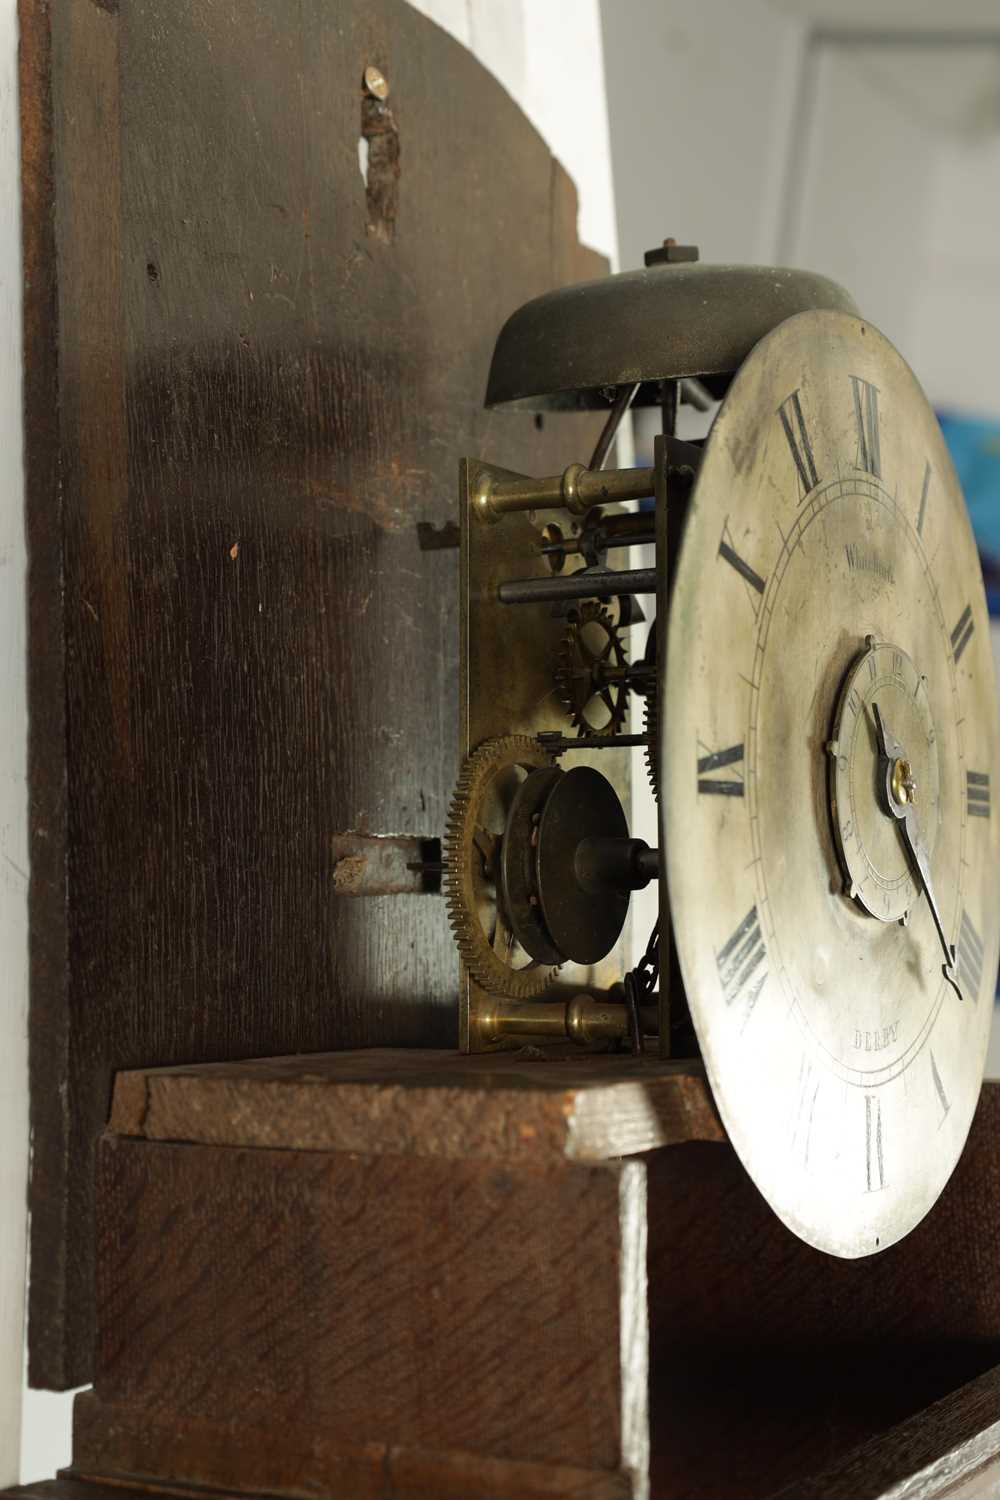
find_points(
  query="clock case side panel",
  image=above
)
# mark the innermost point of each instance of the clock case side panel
(246, 381)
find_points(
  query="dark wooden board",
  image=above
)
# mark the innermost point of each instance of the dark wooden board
(769, 1360)
(263, 1314)
(952, 1449)
(412, 1102)
(248, 384)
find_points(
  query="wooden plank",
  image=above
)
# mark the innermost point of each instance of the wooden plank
(249, 381)
(952, 1449)
(245, 1457)
(424, 1103)
(74, 1489)
(377, 1472)
(265, 1314)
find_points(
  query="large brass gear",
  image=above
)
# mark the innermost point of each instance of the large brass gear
(476, 820)
(592, 641)
(651, 728)
(651, 717)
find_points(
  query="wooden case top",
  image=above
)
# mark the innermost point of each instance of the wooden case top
(404, 1101)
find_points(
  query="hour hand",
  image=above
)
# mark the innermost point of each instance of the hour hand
(899, 797)
(890, 748)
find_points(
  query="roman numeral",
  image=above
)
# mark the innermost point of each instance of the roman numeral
(866, 421)
(977, 794)
(962, 633)
(793, 423)
(740, 962)
(969, 957)
(939, 1089)
(750, 576)
(923, 500)
(716, 760)
(874, 1158)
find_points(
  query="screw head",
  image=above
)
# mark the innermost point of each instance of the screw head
(376, 83)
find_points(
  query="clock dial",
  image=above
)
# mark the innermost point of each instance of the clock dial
(825, 769)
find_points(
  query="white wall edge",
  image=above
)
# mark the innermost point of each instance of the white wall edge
(13, 775)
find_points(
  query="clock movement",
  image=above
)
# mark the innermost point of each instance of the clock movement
(286, 1238)
(819, 721)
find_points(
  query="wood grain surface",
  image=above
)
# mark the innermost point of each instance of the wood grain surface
(952, 1449)
(262, 1314)
(409, 1101)
(276, 1317)
(307, 1461)
(250, 378)
(771, 1361)
(371, 1472)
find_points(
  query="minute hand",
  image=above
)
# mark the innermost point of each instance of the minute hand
(905, 814)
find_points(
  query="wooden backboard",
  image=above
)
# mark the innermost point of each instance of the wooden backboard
(250, 375)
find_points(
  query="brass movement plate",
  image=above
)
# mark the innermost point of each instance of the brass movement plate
(507, 686)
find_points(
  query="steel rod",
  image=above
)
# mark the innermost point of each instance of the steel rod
(559, 744)
(572, 546)
(604, 531)
(697, 395)
(582, 585)
(624, 399)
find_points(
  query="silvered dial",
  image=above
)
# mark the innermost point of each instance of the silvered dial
(830, 736)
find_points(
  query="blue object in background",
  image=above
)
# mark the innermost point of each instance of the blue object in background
(974, 445)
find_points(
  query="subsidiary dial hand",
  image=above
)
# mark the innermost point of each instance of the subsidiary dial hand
(900, 801)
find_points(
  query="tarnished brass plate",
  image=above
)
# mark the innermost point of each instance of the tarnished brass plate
(508, 653)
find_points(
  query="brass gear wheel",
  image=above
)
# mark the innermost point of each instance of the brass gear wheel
(651, 716)
(592, 640)
(476, 821)
(651, 727)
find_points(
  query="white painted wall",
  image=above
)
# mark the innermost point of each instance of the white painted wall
(700, 94)
(856, 213)
(13, 794)
(958, 326)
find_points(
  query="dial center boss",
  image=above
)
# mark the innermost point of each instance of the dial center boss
(878, 874)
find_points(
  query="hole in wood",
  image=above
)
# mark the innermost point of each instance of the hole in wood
(380, 167)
